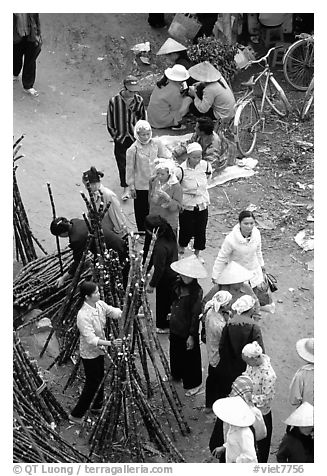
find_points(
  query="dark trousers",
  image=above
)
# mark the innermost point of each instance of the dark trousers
(28, 51)
(193, 110)
(193, 224)
(94, 372)
(212, 384)
(120, 156)
(164, 299)
(185, 364)
(264, 445)
(141, 208)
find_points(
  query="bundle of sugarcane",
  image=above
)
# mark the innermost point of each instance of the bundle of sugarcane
(35, 440)
(24, 237)
(125, 412)
(29, 380)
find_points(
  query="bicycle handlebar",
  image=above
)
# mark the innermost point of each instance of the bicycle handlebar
(264, 58)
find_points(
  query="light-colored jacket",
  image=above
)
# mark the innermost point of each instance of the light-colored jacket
(220, 99)
(195, 185)
(164, 106)
(140, 162)
(91, 323)
(301, 388)
(114, 218)
(246, 252)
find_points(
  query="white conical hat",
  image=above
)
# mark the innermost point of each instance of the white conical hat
(190, 266)
(234, 411)
(305, 349)
(205, 72)
(171, 46)
(234, 273)
(302, 416)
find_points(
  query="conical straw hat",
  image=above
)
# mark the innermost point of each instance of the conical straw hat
(234, 273)
(305, 349)
(302, 416)
(234, 411)
(190, 266)
(171, 46)
(205, 72)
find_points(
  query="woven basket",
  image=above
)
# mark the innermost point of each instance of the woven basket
(184, 26)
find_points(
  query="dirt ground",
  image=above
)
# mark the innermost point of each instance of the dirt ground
(83, 59)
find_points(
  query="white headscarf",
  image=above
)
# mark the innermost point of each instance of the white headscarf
(243, 304)
(221, 298)
(142, 126)
(171, 166)
(252, 350)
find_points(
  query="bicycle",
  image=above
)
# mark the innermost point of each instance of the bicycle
(298, 62)
(247, 116)
(308, 101)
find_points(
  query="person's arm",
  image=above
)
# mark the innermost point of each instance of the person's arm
(142, 111)
(111, 120)
(259, 252)
(130, 166)
(195, 313)
(209, 171)
(206, 103)
(222, 258)
(162, 150)
(175, 201)
(283, 452)
(296, 390)
(159, 264)
(217, 436)
(112, 312)
(117, 216)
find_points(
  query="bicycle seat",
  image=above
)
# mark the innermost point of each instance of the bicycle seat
(249, 83)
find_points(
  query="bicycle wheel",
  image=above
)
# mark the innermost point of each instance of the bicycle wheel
(276, 97)
(299, 63)
(308, 101)
(245, 126)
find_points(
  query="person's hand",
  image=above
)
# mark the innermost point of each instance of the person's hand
(132, 192)
(263, 269)
(168, 317)
(60, 281)
(191, 91)
(163, 194)
(217, 452)
(214, 281)
(149, 289)
(190, 343)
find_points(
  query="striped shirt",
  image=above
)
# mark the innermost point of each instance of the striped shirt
(122, 116)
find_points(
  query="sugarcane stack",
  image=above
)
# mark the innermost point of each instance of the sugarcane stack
(25, 251)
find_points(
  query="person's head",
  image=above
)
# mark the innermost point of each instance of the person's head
(60, 227)
(252, 354)
(247, 221)
(305, 349)
(172, 50)
(204, 126)
(93, 177)
(131, 85)
(244, 305)
(302, 418)
(163, 174)
(177, 74)
(189, 269)
(186, 279)
(156, 223)
(194, 154)
(89, 292)
(306, 430)
(243, 387)
(165, 169)
(143, 132)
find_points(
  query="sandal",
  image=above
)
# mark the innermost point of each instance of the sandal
(125, 196)
(73, 419)
(31, 92)
(193, 391)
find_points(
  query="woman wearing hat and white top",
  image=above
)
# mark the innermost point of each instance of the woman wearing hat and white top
(235, 279)
(243, 245)
(301, 388)
(184, 350)
(194, 217)
(212, 94)
(240, 330)
(241, 387)
(167, 106)
(165, 193)
(239, 439)
(297, 445)
(140, 164)
(262, 374)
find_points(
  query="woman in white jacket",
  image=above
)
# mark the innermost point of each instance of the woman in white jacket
(243, 245)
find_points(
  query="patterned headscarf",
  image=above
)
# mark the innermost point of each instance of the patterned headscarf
(243, 387)
(142, 126)
(243, 304)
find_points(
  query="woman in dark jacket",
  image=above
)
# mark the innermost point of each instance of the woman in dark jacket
(297, 446)
(240, 330)
(164, 253)
(185, 354)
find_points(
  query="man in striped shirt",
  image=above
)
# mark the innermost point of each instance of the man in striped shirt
(124, 110)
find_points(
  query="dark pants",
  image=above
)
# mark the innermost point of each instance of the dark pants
(94, 371)
(185, 364)
(29, 51)
(211, 387)
(264, 445)
(193, 224)
(193, 110)
(120, 155)
(141, 208)
(164, 299)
